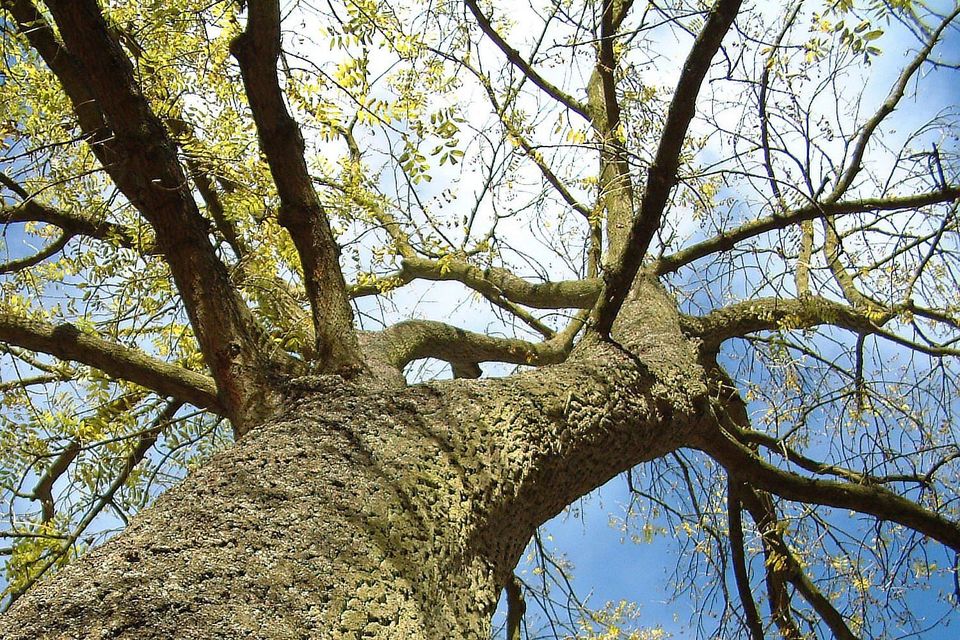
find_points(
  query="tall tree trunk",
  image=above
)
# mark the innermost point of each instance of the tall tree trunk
(365, 512)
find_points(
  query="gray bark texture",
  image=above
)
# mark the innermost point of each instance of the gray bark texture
(365, 512)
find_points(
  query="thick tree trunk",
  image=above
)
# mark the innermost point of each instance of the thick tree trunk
(379, 513)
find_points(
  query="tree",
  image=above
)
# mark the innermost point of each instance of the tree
(737, 280)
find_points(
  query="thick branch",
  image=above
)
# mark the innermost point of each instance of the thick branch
(616, 185)
(69, 343)
(768, 314)
(662, 174)
(134, 148)
(568, 294)
(412, 340)
(258, 50)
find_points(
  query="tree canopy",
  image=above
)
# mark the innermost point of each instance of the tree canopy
(203, 199)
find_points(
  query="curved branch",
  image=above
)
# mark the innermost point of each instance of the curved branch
(43, 490)
(407, 341)
(31, 210)
(69, 343)
(25, 263)
(762, 511)
(768, 314)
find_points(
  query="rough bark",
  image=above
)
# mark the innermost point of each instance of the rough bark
(382, 513)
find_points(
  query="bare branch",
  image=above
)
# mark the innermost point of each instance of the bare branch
(737, 546)
(726, 240)
(762, 511)
(412, 340)
(517, 60)
(873, 500)
(886, 108)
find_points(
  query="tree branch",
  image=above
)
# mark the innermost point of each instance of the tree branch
(737, 546)
(762, 511)
(31, 210)
(726, 240)
(257, 50)
(662, 174)
(517, 60)
(886, 108)
(768, 314)
(879, 502)
(134, 148)
(132, 459)
(412, 340)
(51, 249)
(568, 294)
(69, 343)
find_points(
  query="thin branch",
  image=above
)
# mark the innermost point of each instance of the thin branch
(517, 60)
(885, 109)
(726, 240)
(43, 490)
(762, 511)
(737, 546)
(144, 443)
(51, 249)
(31, 210)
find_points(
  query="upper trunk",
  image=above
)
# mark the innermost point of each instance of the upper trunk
(380, 513)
